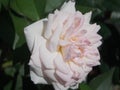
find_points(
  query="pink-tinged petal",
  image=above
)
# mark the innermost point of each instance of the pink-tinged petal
(74, 86)
(52, 43)
(98, 44)
(60, 64)
(87, 17)
(74, 67)
(94, 38)
(48, 31)
(86, 68)
(96, 28)
(68, 7)
(46, 56)
(37, 79)
(33, 30)
(64, 43)
(91, 62)
(35, 68)
(65, 78)
(58, 86)
(50, 74)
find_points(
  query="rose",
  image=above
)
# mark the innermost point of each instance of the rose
(63, 48)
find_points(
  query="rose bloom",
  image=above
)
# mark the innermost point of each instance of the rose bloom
(64, 48)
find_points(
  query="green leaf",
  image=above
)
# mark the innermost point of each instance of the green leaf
(8, 86)
(103, 81)
(19, 83)
(84, 86)
(84, 9)
(21, 71)
(5, 3)
(40, 6)
(53, 4)
(0, 6)
(25, 8)
(7, 33)
(19, 25)
(10, 71)
(112, 5)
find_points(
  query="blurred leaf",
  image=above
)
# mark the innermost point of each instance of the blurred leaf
(21, 71)
(5, 3)
(8, 86)
(10, 71)
(53, 4)
(103, 81)
(105, 31)
(21, 55)
(19, 24)
(7, 32)
(112, 5)
(40, 6)
(25, 8)
(116, 76)
(84, 9)
(84, 86)
(7, 64)
(0, 6)
(19, 83)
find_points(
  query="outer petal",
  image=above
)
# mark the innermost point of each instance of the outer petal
(68, 7)
(46, 56)
(58, 86)
(33, 30)
(48, 31)
(37, 79)
(88, 17)
(60, 64)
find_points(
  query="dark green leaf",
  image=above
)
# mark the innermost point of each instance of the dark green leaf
(0, 6)
(5, 3)
(40, 6)
(7, 32)
(21, 71)
(103, 81)
(10, 71)
(84, 9)
(25, 8)
(53, 4)
(19, 24)
(19, 83)
(8, 86)
(84, 86)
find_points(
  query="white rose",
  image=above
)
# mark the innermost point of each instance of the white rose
(63, 48)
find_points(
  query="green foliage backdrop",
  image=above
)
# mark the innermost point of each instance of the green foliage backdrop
(14, 53)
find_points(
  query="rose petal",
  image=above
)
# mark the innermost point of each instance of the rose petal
(58, 86)
(37, 79)
(50, 75)
(48, 31)
(60, 64)
(52, 43)
(33, 30)
(87, 17)
(46, 57)
(68, 7)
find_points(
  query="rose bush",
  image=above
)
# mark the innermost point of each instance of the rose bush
(64, 48)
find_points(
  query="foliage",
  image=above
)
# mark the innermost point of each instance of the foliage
(14, 53)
